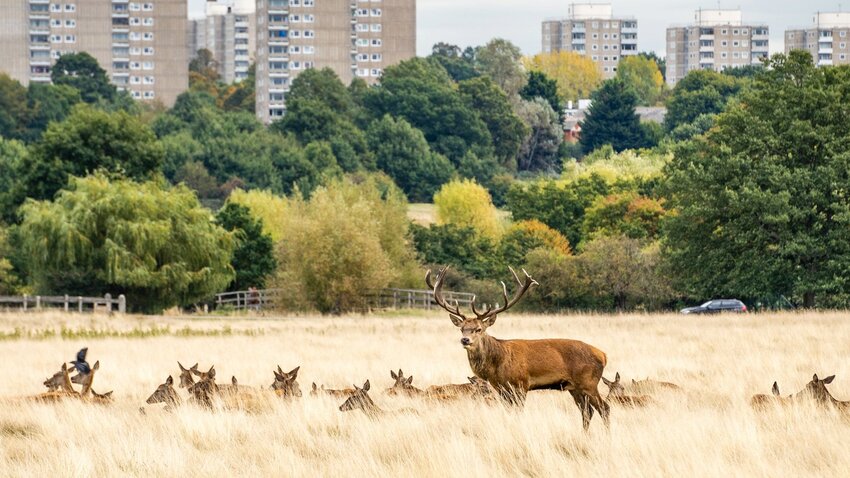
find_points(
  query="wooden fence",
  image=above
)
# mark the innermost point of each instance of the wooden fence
(379, 299)
(65, 302)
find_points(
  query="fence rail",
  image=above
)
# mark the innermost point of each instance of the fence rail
(249, 299)
(67, 302)
(262, 299)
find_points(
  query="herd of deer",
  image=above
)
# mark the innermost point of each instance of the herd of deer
(504, 369)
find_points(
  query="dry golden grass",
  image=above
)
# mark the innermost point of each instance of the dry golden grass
(707, 430)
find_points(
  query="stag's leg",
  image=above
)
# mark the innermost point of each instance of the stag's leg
(599, 404)
(584, 406)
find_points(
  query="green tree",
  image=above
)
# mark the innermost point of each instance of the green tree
(760, 201)
(660, 62)
(461, 247)
(525, 236)
(643, 76)
(253, 257)
(81, 71)
(628, 214)
(156, 245)
(90, 140)
(14, 110)
(48, 103)
(500, 60)
(465, 203)
(539, 151)
(402, 152)
(9, 281)
(459, 64)
(611, 119)
(506, 128)
(12, 154)
(541, 86)
(700, 92)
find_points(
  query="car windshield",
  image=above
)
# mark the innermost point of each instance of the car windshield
(707, 303)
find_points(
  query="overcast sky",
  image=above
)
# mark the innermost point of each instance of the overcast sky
(474, 22)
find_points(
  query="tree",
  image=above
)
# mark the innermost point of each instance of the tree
(699, 93)
(47, 104)
(459, 64)
(541, 86)
(539, 151)
(760, 204)
(643, 76)
(500, 60)
(12, 154)
(611, 119)
(402, 152)
(493, 107)
(89, 140)
(349, 239)
(577, 75)
(467, 204)
(13, 108)
(154, 244)
(253, 256)
(81, 71)
(660, 62)
(627, 214)
(9, 281)
(204, 66)
(525, 236)
(268, 208)
(461, 247)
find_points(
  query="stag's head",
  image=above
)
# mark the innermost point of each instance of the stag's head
(475, 328)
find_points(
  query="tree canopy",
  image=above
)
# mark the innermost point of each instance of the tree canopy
(577, 75)
(82, 72)
(611, 119)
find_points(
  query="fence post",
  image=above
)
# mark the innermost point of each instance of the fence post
(108, 299)
(80, 303)
(26, 299)
(66, 303)
(122, 304)
(38, 302)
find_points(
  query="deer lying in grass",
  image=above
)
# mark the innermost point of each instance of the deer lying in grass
(360, 400)
(617, 394)
(475, 388)
(403, 386)
(816, 390)
(63, 391)
(648, 385)
(285, 385)
(186, 378)
(514, 367)
(165, 393)
(345, 392)
(761, 401)
(64, 388)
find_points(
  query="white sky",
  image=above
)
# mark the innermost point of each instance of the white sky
(474, 22)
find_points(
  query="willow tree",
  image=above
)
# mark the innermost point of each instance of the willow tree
(154, 244)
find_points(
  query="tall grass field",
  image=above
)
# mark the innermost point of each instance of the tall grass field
(707, 429)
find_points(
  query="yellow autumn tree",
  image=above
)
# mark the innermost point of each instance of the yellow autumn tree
(577, 75)
(266, 206)
(643, 75)
(466, 203)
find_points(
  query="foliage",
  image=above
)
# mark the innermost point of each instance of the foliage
(611, 119)
(539, 151)
(627, 166)
(12, 155)
(267, 207)
(685, 131)
(13, 108)
(82, 72)
(350, 238)
(467, 204)
(253, 256)
(506, 129)
(625, 214)
(46, 104)
(402, 152)
(760, 200)
(500, 60)
(9, 281)
(461, 247)
(659, 61)
(643, 76)
(195, 175)
(624, 270)
(561, 283)
(154, 244)
(459, 64)
(525, 236)
(700, 92)
(541, 86)
(577, 75)
(205, 69)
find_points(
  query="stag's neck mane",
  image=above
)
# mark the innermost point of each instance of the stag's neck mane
(487, 357)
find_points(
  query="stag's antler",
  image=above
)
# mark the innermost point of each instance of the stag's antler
(437, 287)
(523, 288)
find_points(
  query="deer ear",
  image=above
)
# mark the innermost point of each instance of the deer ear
(233, 380)
(489, 321)
(194, 367)
(393, 375)
(829, 379)
(458, 321)
(775, 389)
(606, 381)
(366, 386)
(211, 373)
(617, 377)
(293, 374)
(97, 366)
(815, 378)
(410, 380)
(169, 380)
(182, 368)
(315, 387)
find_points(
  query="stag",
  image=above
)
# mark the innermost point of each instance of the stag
(514, 367)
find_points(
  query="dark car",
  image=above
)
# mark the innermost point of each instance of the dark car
(717, 306)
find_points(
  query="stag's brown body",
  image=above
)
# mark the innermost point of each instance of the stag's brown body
(514, 367)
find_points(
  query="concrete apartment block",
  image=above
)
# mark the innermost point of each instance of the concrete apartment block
(827, 39)
(228, 31)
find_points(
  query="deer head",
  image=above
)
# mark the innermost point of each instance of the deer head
(186, 379)
(615, 388)
(359, 399)
(88, 379)
(285, 383)
(203, 376)
(165, 393)
(816, 389)
(402, 385)
(475, 328)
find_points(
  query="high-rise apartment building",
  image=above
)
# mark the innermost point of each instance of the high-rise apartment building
(827, 39)
(355, 38)
(228, 31)
(718, 39)
(141, 45)
(592, 30)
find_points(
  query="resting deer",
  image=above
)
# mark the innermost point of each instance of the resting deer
(762, 401)
(186, 379)
(55, 382)
(360, 400)
(166, 394)
(617, 394)
(816, 390)
(65, 390)
(403, 386)
(345, 392)
(514, 367)
(285, 385)
(648, 385)
(475, 388)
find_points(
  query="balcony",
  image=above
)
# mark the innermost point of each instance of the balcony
(825, 50)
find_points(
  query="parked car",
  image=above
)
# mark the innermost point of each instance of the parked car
(717, 306)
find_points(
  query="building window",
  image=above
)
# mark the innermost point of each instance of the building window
(148, 65)
(724, 31)
(309, 34)
(736, 43)
(148, 21)
(135, 65)
(135, 21)
(376, 72)
(295, 19)
(595, 36)
(149, 80)
(309, 50)
(376, 42)
(148, 7)
(148, 36)
(362, 57)
(309, 18)
(376, 12)
(55, 7)
(377, 57)
(55, 38)
(133, 51)
(362, 42)
(362, 12)
(295, 49)
(842, 34)
(149, 95)
(595, 47)
(135, 7)
(70, 7)
(309, 3)
(136, 95)
(135, 36)
(147, 51)
(293, 34)
(376, 27)
(724, 55)
(135, 80)
(724, 43)
(362, 27)
(56, 23)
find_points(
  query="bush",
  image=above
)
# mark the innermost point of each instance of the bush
(465, 203)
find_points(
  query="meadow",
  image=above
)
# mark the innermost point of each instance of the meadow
(708, 429)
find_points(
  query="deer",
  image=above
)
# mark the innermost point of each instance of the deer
(186, 379)
(55, 382)
(648, 385)
(403, 386)
(761, 401)
(285, 385)
(515, 367)
(475, 388)
(617, 394)
(816, 390)
(165, 393)
(345, 392)
(65, 390)
(360, 400)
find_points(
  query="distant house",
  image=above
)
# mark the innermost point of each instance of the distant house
(651, 114)
(573, 117)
